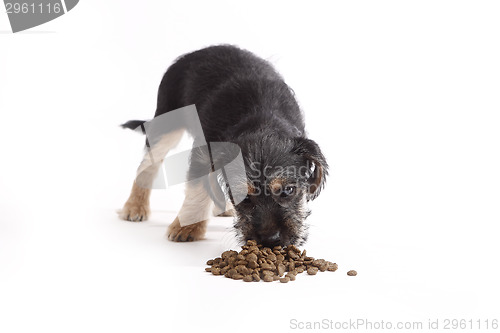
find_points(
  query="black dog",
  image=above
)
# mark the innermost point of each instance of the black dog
(241, 99)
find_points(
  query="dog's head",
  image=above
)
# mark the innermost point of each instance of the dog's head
(283, 174)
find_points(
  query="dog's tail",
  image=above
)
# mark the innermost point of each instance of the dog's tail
(134, 125)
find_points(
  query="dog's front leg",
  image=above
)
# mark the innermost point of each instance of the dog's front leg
(191, 222)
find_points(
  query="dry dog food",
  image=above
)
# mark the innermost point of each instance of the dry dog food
(352, 273)
(255, 262)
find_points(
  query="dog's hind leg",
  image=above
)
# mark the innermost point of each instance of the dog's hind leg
(137, 206)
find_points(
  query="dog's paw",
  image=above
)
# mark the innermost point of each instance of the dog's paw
(134, 212)
(188, 233)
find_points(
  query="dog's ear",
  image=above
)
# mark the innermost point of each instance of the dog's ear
(317, 175)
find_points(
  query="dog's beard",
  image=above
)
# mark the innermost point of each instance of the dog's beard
(292, 227)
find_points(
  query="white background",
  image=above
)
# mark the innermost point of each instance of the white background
(403, 98)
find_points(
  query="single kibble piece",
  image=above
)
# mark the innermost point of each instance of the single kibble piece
(252, 264)
(267, 272)
(232, 272)
(317, 262)
(281, 269)
(251, 257)
(293, 255)
(352, 273)
(248, 278)
(254, 249)
(285, 279)
(243, 270)
(332, 267)
(266, 266)
(268, 278)
(228, 254)
(312, 270)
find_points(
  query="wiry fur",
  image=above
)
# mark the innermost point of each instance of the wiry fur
(241, 99)
(274, 162)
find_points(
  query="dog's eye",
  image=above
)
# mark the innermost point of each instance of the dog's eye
(246, 200)
(288, 190)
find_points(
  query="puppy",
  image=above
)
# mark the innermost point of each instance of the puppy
(240, 99)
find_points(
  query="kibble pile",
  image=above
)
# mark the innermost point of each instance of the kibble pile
(255, 262)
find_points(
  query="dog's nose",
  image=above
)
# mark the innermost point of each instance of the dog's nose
(271, 240)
